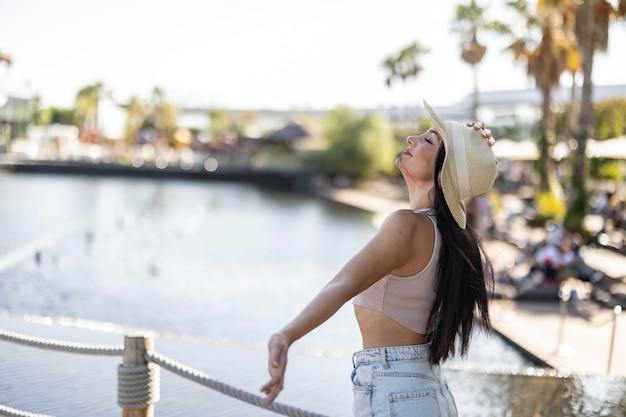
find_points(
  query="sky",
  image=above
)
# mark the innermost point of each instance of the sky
(254, 54)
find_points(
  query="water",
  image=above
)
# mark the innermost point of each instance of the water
(222, 258)
(213, 268)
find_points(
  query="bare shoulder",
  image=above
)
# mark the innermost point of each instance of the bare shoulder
(407, 222)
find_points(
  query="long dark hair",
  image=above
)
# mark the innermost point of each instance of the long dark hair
(463, 285)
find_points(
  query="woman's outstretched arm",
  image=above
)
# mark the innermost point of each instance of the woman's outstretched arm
(388, 250)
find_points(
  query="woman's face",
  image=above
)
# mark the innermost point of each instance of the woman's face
(417, 161)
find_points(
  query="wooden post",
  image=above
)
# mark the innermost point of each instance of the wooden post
(135, 347)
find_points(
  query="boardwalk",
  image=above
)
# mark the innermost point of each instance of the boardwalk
(584, 346)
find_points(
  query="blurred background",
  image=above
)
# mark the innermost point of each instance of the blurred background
(280, 85)
(199, 137)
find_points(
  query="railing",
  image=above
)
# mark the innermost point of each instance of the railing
(563, 349)
(139, 375)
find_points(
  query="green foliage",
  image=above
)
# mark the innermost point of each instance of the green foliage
(609, 122)
(221, 124)
(550, 207)
(405, 63)
(86, 109)
(87, 99)
(610, 118)
(37, 111)
(424, 125)
(603, 169)
(358, 147)
(57, 115)
(577, 211)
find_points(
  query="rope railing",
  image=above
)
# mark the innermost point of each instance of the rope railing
(138, 377)
(13, 412)
(242, 395)
(52, 344)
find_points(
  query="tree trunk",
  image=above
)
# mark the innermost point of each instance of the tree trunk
(574, 113)
(544, 140)
(578, 202)
(475, 98)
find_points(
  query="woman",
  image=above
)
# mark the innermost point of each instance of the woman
(416, 285)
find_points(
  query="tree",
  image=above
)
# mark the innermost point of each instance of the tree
(592, 21)
(54, 115)
(609, 122)
(610, 118)
(86, 108)
(469, 20)
(404, 64)
(162, 118)
(136, 113)
(358, 147)
(37, 111)
(545, 49)
(220, 127)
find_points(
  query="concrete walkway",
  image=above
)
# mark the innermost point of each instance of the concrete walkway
(569, 343)
(578, 341)
(573, 343)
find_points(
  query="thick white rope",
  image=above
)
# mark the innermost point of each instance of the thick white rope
(207, 381)
(138, 386)
(13, 412)
(89, 349)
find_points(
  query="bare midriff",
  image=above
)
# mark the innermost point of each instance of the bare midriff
(378, 330)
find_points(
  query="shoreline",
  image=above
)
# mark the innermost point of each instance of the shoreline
(297, 181)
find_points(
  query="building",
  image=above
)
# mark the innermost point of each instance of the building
(502, 109)
(15, 116)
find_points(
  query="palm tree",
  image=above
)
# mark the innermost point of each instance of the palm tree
(404, 64)
(592, 21)
(546, 59)
(137, 112)
(86, 106)
(469, 20)
(163, 118)
(221, 125)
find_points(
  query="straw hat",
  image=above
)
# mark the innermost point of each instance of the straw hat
(469, 168)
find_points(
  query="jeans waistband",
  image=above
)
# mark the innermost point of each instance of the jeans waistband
(394, 353)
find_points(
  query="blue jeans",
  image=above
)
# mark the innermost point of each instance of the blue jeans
(399, 382)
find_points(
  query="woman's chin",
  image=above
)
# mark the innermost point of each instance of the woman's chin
(399, 164)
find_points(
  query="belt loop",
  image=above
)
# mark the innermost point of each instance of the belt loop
(383, 358)
(354, 360)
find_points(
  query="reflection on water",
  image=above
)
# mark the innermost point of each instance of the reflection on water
(214, 260)
(224, 263)
(496, 395)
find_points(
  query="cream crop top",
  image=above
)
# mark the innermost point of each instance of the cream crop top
(407, 300)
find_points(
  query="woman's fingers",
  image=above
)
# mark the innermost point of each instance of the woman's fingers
(476, 125)
(277, 363)
(485, 133)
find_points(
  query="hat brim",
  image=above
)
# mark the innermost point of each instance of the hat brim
(450, 193)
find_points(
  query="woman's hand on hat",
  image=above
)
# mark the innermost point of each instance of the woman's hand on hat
(485, 133)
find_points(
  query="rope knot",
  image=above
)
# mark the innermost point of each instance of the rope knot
(138, 386)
